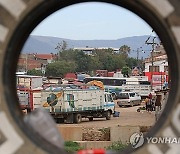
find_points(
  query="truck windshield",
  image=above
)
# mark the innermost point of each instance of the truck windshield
(132, 94)
(110, 98)
(123, 96)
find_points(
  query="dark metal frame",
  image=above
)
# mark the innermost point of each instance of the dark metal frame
(46, 8)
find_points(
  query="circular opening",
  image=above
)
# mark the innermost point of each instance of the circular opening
(34, 20)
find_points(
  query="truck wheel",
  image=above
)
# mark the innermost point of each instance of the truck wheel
(91, 119)
(77, 118)
(108, 115)
(60, 120)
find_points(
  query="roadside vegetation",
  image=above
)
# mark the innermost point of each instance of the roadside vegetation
(117, 146)
(71, 146)
(34, 72)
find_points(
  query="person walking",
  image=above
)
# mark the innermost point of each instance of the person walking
(150, 96)
(150, 102)
(147, 103)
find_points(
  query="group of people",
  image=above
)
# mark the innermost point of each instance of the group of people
(150, 103)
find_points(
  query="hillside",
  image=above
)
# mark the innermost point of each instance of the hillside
(47, 44)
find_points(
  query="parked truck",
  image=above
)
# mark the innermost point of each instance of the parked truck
(71, 105)
(29, 99)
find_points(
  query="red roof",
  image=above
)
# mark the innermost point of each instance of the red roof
(70, 76)
(44, 56)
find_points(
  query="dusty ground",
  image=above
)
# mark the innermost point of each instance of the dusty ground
(128, 116)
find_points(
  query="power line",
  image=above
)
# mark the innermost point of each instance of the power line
(147, 41)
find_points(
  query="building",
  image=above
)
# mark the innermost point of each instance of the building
(115, 50)
(45, 58)
(35, 61)
(158, 74)
(25, 64)
(28, 81)
(89, 51)
(135, 71)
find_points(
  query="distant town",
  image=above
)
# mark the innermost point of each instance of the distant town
(37, 64)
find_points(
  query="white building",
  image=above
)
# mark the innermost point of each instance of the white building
(89, 51)
(158, 76)
(160, 64)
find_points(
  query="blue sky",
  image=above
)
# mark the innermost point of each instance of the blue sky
(88, 21)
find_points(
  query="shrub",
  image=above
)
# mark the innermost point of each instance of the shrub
(116, 146)
(71, 146)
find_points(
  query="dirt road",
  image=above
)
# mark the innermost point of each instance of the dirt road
(128, 116)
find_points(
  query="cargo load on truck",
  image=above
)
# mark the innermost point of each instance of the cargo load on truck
(71, 105)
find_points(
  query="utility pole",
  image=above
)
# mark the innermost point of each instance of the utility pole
(137, 54)
(137, 51)
(152, 57)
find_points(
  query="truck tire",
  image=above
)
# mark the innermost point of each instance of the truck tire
(91, 119)
(60, 120)
(108, 115)
(77, 118)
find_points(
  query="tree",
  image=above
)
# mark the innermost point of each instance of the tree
(34, 72)
(60, 68)
(95, 63)
(125, 71)
(109, 63)
(82, 61)
(61, 47)
(120, 61)
(125, 50)
(77, 61)
(67, 55)
(131, 62)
